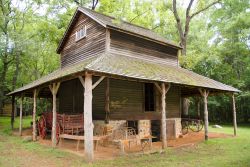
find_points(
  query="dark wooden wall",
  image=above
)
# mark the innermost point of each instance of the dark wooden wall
(76, 51)
(126, 100)
(140, 48)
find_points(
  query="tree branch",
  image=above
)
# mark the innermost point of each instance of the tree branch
(94, 3)
(205, 8)
(138, 16)
(188, 18)
(189, 7)
(178, 20)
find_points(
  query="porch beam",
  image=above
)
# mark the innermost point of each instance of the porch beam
(21, 116)
(88, 124)
(164, 90)
(81, 80)
(54, 89)
(158, 87)
(34, 132)
(98, 82)
(234, 115)
(205, 93)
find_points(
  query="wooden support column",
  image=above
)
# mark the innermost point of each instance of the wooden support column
(12, 112)
(163, 90)
(107, 109)
(205, 93)
(234, 115)
(88, 124)
(54, 89)
(163, 116)
(21, 115)
(34, 132)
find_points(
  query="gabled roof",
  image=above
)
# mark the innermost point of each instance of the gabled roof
(112, 23)
(124, 66)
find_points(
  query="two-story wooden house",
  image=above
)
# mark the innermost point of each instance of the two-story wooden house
(116, 72)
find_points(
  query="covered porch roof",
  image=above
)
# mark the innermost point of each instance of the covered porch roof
(117, 65)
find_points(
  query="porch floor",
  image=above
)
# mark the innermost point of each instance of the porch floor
(111, 151)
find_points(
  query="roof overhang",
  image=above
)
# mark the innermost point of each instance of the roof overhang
(124, 67)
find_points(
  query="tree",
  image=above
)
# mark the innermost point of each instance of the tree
(184, 26)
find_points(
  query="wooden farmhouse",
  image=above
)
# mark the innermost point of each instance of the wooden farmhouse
(120, 74)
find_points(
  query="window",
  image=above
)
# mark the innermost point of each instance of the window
(81, 33)
(149, 97)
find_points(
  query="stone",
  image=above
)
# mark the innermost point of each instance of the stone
(217, 126)
(27, 138)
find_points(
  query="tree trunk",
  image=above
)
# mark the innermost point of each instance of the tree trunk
(16, 72)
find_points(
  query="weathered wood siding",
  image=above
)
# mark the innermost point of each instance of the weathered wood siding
(173, 102)
(76, 51)
(126, 100)
(136, 47)
(71, 97)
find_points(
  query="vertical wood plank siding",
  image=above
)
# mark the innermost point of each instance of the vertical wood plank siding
(76, 51)
(173, 102)
(126, 100)
(136, 47)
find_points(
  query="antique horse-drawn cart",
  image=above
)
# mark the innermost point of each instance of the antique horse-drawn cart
(66, 124)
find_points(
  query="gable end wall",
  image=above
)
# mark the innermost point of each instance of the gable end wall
(93, 44)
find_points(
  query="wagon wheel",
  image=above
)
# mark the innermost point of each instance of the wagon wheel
(57, 133)
(196, 125)
(42, 127)
(184, 125)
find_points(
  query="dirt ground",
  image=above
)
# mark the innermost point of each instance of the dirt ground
(110, 151)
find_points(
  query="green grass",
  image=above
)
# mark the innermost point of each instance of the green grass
(224, 152)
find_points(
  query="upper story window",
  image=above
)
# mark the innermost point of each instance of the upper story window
(81, 33)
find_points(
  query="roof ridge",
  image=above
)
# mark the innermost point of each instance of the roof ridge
(111, 17)
(110, 23)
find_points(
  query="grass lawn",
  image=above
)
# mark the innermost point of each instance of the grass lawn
(224, 152)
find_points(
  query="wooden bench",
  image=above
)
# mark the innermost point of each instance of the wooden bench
(96, 139)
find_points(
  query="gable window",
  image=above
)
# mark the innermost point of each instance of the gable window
(149, 97)
(81, 33)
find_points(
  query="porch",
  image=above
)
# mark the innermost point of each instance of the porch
(92, 73)
(113, 151)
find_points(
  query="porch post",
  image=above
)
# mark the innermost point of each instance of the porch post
(205, 93)
(234, 115)
(163, 116)
(107, 109)
(54, 89)
(163, 91)
(34, 132)
(21, 115)
(88, 125)
(12, 112)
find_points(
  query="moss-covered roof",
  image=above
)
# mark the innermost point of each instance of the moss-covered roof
(124, 66)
